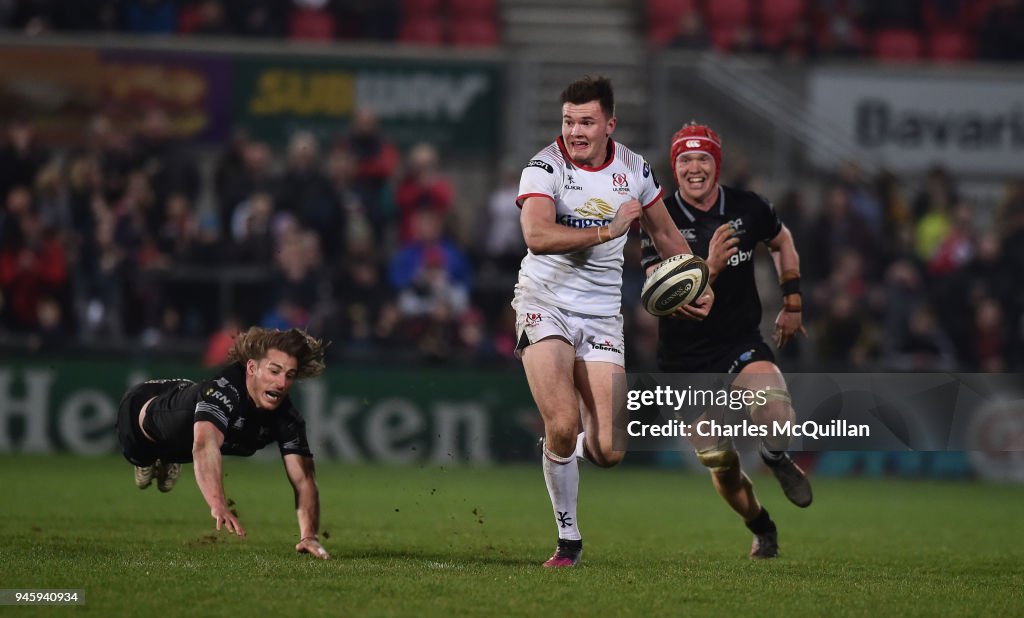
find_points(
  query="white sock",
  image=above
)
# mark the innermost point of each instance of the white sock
(562, 476)
(580, 452)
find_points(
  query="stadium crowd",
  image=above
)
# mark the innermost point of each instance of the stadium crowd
(793, 30)
(124, 240)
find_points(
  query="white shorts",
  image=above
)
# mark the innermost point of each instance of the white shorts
(595, 337)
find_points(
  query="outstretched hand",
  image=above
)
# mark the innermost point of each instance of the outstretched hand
(226, 519)
(312, 546)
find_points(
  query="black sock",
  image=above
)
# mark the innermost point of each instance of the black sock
(762, 524)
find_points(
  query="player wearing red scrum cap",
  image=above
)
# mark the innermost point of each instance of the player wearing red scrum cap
(724, 225)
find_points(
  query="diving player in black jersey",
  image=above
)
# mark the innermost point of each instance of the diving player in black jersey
(164, 423)
(724, 225)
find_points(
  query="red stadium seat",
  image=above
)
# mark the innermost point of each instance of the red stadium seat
(661, 34)
(950, 45)
(781, 11)
(480, 9)
(727, 13)
(421, 31)
(420, 8)
(474, 32)
(665, 19)
(311, 25)
(897, 44)
(777, 17)
(722, 39)
(660, 12)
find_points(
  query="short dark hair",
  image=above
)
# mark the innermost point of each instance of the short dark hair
(591, 89)
(254, 344)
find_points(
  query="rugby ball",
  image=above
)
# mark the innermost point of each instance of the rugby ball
(677, 281)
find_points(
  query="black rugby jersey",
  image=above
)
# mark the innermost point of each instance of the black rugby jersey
(223, 401)
(736, 314)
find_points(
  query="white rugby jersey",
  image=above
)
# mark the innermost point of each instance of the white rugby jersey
(587, 281)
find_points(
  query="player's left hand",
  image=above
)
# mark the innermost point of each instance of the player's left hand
(698, 309)
(787, 324)
(312, 546)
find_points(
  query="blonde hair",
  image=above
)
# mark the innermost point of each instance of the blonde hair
(254, 343)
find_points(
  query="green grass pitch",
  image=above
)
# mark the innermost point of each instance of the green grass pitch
(468, 541)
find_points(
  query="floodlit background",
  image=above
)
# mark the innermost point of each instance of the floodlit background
(174, 170)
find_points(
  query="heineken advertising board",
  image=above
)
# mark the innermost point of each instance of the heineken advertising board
(392, 416)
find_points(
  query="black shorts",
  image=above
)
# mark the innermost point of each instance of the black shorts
(728, 358)
(137, 448)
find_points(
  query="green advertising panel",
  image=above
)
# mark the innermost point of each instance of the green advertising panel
(455, 105)
(391, 416)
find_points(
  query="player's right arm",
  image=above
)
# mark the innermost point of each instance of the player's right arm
(544, 235)
(206, 457)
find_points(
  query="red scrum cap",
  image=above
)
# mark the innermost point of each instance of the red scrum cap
(695, 137)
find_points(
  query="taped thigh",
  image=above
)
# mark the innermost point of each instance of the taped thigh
(771, 394)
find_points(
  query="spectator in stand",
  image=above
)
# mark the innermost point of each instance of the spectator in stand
(252, 231)
(746, 40)
(938, 194)
(33, 266)
(259, 18)
(150, 16)
(499, 232)
(219, 343)
(422, 188)
(32, 16)
(429, 241)
(341, 172)
(898, 14)
(305, 192)
(111, 144)
(925, 346)
(692, 34)
(255, 176)
(369, 316)
(999, 35)
(53, 199)
(170, 167)
(844, 336)
(21, 157)
(798, 44)
(837, 229)
(211, 18)
(841, 34)
(298, 288)
(367, 19)
(95, 16)
(377, 161)
(988, 349)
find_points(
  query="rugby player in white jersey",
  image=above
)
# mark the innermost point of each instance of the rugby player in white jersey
(579, 197)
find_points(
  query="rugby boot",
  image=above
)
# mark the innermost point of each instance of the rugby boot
(765, 546)
(567, 554)
(144, 475)
(792, 479)
(167, 476)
